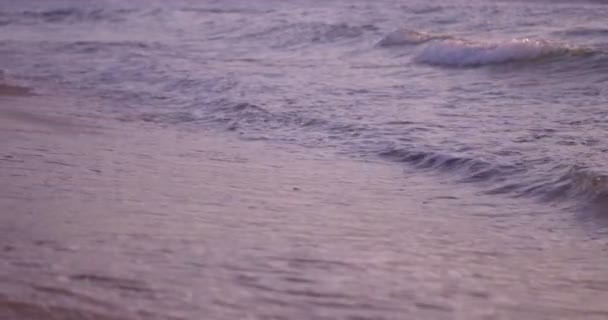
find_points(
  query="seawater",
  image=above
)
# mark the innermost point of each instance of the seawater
(479, 129)
(508, 97)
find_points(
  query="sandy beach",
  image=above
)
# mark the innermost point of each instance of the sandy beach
(106, 219)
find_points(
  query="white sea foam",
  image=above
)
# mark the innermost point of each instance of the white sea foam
(462, 53)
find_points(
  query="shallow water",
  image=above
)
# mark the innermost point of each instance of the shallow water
(106, 220)
(504, 101)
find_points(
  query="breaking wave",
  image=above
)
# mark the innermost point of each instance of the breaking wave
(459, 53)
(450, 51)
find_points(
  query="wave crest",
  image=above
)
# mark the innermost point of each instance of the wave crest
(460, 53)
(471, 169)
(580, 184)
(446, 50)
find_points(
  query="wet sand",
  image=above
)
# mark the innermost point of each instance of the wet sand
(103, 219)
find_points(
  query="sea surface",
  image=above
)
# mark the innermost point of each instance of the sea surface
(507, 96)
(507, 100)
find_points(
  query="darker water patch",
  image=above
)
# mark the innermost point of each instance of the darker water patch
(95, 46)
(16, 309)
(225, 10)
(583, 32)
(111, 282)
(64, 15)
(14, 90)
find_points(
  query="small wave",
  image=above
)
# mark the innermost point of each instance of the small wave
(472, 170)
(583, 187)
(425, 10)
(580, 185)
(460, 53)
(404, 37)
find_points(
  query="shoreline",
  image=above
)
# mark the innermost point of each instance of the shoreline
(105, 219)
(83, 187)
